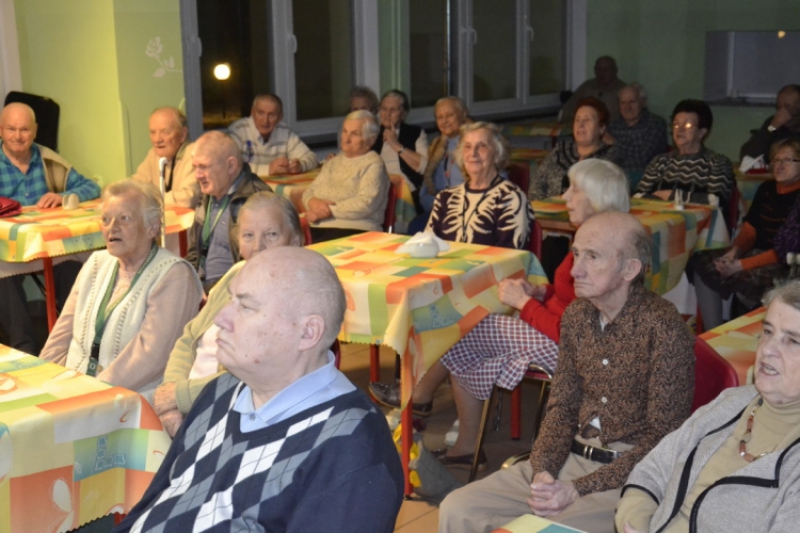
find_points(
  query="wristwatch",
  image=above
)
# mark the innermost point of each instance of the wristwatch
(400, 151)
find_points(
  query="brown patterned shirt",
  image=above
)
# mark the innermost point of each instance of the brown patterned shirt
(636, 376)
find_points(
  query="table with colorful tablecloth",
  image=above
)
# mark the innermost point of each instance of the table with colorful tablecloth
(72, 448)
(676, 233)
(31, 240)
(534, 524)
(737, 340)
(420, 307)
(538, 128)
(293, 186)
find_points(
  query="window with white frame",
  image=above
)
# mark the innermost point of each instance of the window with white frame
(502, 57)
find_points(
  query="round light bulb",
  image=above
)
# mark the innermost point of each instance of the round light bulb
(781, 34)
(222, 71)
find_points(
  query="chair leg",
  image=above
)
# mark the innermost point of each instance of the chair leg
(498, 412)
(487, 407)
(516, 412)
(374, 363)
(543, 394)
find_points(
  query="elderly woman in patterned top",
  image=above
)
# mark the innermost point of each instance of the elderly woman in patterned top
(588, 128)
(702, 176)
(130, 302)
(485, 209)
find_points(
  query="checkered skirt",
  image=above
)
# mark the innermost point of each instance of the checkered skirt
(498, 350)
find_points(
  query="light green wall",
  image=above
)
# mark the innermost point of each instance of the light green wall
(662, 45)
(67, 52)
(91, 57)
(150, 67)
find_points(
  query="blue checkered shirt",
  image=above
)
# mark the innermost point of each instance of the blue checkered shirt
(640, 143)
(27, 188)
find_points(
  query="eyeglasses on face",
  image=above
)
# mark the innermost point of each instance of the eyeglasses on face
(784, 161)
(684, 126)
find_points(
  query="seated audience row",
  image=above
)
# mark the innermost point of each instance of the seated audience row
(499, 348)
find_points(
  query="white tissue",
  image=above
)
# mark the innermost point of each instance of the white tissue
(423, 237)
(749, 163)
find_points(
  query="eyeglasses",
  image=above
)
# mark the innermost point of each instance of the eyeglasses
(686, 126)
(776, 162)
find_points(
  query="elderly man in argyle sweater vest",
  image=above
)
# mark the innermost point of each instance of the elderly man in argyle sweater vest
(284, 442)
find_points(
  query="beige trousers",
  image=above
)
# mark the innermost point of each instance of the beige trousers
(496, 500)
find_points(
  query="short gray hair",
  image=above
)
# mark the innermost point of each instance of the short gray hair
(180, 116)
(641, 92)
(458, 103)
(265, 200)
(148, 199)
(502, 148)
(788, 293)
(370, 126)
(604, 183)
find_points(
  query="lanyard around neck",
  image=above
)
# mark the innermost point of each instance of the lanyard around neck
(208, 227)
(107, 307)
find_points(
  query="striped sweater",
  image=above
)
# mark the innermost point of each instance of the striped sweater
(702, 175)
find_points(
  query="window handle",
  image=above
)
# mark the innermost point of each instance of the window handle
(293, 41)
(529, 32)
(474, 36)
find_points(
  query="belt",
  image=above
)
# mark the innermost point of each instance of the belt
(599, 455)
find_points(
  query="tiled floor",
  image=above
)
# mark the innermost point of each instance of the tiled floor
(415, 515)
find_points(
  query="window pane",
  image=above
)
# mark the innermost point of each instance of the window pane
(547, 18)
(428, 43)
(495, 57)
(323, 64)
(236, 33)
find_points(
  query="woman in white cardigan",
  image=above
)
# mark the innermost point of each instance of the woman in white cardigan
(130, 302)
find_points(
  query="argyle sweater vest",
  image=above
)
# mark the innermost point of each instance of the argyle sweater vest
(301, 474)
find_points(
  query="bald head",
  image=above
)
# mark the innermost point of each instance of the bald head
(624, 234)
(308, 283)
(17, 130)
(217, 161)
(287, 306)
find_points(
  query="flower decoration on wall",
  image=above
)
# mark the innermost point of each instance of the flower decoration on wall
(154, 49)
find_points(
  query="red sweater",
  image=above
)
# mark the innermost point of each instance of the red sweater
(545, 316)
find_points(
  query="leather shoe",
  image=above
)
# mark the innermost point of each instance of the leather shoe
(389, 395)
(464, 461)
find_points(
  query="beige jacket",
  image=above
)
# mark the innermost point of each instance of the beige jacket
(185, 191)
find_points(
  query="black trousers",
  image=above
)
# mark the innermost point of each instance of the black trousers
(15, 320)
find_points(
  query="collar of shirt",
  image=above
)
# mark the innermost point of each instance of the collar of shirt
(320, 386)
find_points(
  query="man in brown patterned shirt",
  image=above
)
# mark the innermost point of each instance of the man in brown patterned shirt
(625, 379)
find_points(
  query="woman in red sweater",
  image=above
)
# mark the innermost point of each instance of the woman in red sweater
(500, 348)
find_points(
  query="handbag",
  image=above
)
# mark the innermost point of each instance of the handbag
(9, 207)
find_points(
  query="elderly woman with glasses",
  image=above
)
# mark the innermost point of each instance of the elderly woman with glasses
(349, 195)
(500, 348)
(266, 220)
(734, 466)
(130, 301)
(486, 208)
(749, 267)
(700, 175)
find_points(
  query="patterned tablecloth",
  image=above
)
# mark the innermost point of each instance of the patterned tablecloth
(538, 128)
(676, 234)
(534, 524)
(38, 233)
(293, 186)
(420, 307)
(737, 341)
(72, 448)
